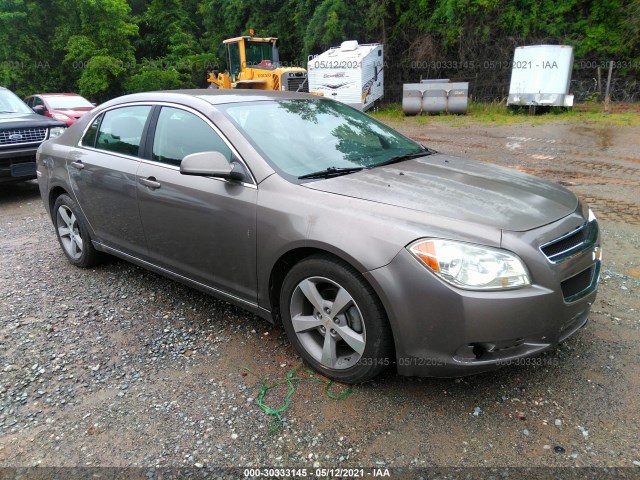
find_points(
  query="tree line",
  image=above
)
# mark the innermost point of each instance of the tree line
(104, 48)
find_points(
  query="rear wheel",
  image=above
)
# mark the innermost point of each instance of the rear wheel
(72, 233)
(335, 320)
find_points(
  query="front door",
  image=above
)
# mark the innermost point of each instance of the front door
(198, 227)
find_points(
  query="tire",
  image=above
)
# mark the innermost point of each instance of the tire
(72, 233)
(351, 345)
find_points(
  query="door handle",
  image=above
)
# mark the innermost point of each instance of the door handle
(77, 164)
(150, 182)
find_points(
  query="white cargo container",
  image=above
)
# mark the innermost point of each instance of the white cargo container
(350, 73)
(541, 75)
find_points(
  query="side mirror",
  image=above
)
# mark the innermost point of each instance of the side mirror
(210, 164)
(40, 109)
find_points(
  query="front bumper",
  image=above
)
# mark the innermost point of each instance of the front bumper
(443, 331)
(17, 164)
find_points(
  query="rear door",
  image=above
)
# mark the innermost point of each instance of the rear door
(103, 177)
(198, 227)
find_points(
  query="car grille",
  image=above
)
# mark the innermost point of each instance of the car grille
(579, 285)
(573, 242)
(297, 84)
(22, 135)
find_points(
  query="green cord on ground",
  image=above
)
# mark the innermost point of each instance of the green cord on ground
(289, 379)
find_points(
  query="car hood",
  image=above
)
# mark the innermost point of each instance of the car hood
(74, 112)
(25, 120)
(459, 189)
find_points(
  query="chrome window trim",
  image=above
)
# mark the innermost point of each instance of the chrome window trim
(179, 106)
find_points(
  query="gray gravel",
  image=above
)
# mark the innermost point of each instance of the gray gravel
(117, 366)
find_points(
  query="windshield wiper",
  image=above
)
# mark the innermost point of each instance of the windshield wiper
(402, 158)
(331, 172)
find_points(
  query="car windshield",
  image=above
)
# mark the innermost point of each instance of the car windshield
(301, 137)
(71, 101)
(11, 103)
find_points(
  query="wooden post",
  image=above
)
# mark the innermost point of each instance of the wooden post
(599, 83)
(607, 98)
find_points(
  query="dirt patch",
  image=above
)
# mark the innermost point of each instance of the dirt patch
(116, 366)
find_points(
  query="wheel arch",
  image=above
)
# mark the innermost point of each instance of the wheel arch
(288, 259)
(54, 193)
(293, 257)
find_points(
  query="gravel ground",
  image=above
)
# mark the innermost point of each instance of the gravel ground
(118, 367)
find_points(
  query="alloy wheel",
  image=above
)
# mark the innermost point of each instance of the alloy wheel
(328, 322)
(69, 232)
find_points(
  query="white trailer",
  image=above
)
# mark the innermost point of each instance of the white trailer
(350, 73)
(541, 75)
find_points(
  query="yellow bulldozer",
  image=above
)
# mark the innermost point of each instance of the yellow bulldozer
(253, 63)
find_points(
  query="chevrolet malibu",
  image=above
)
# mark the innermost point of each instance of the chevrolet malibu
(369, 248)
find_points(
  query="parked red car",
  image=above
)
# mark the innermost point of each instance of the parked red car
(64, 107)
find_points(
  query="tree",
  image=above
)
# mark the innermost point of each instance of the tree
(102, 49)
(108, 47)
(28, 63)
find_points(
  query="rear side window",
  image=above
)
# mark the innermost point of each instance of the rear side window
(180, 133)
(121, 130)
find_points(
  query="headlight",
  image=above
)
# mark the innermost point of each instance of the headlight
(471, 266)
(61, 116)
(56, 132)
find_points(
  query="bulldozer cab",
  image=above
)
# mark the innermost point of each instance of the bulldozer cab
(251, 52)
(253, 63)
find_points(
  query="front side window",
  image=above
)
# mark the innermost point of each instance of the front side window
(180, 133)
(121, 130)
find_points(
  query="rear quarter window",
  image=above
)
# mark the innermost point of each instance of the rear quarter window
(89, 139)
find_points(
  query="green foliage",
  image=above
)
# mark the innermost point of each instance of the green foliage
(103, 48)
(150, 78)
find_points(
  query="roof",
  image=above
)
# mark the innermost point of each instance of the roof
(253, 39)
(215, 96)
(56, 95)
(209, 95)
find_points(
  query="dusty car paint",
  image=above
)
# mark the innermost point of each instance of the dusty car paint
(251, 232)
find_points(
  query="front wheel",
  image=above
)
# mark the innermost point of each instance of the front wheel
(335, 320)
(72, 233)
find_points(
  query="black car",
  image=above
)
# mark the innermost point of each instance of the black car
(21, 133)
